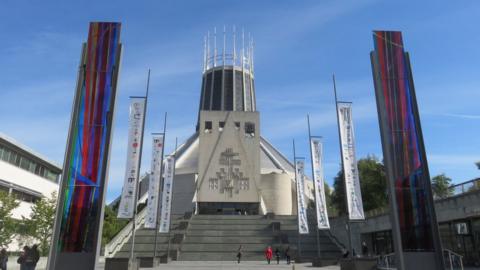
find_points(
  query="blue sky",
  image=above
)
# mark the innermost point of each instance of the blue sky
(299, 44)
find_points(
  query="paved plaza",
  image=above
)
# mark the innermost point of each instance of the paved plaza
(233, 265)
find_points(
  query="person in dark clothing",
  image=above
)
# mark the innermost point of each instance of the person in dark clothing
(239, 254)
(277, 255)
(287, 254)
(3, 259)
(35, 256)
(364, 248)
(22, 260)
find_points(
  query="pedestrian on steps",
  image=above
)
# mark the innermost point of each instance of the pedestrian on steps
(239, 254)
(277, 255)
(287, 254)
(269, 254)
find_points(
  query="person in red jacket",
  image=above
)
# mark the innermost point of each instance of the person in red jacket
(269, 254)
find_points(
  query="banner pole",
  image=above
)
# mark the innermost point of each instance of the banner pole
(314, 186)
(299, 242)
(171, 199)
(132, 247)
(349, 232)
(160, 184)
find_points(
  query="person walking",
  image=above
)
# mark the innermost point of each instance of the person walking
(277, 255)
(23, 258)
(364, 249)
(239, 254)
(268, 254)
(35, 257)
(287, 254)
(3, 259)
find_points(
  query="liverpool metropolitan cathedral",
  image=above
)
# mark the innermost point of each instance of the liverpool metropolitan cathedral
(231, 187)
(226, 166)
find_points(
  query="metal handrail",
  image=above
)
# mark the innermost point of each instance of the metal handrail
(122, 237)
(455, 260)
(386, 262)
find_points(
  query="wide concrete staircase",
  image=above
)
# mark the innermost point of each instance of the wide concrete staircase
(217, 238)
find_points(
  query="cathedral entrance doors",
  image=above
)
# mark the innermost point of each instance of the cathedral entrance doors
(227, 208)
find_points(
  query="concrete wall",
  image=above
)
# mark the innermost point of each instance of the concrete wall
(277, 193)
(183, 192)
(26, 179)
(213, 146)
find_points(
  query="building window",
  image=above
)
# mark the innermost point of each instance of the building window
(213, 184)
(237, 125)
(244, 184)
(208, 126)
(250, 129)
(221, 125)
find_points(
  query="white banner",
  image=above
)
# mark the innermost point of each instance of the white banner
(316, 149)
(301, 205)
(169, 172)
(135, 131)
(350, 168)
(154, 182)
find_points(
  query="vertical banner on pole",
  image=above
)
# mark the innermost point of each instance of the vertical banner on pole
(301, 205)
(135, 131)
(154, 183)
(316, 147)
(77, 230)
(414, 223)
(350, 168)
(169, 172)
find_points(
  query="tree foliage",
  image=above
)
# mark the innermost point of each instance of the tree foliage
(7, 223)
(441, 186)
(373, 185)
(111, 225)
(40, 223)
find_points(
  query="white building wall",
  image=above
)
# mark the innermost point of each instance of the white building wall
(25, 179)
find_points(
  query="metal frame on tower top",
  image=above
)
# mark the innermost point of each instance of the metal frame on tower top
(212, 58)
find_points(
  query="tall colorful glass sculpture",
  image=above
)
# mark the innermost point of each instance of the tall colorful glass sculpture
(80, 208)
(413, 218)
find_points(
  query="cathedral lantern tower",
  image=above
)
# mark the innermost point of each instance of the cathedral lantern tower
(228, 124)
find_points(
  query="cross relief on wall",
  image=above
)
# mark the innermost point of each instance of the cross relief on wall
(229, 179)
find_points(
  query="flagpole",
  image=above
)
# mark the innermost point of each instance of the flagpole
(135, 201)
(349, 232)
(171, 199)
(160, 186)
(314, 186)
(299, 246)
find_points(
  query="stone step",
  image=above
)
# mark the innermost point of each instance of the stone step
(239, 221)
(228, 227)
(241, 217)
(148, 247)
(240, 239)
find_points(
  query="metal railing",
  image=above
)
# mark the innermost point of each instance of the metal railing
(386, 262)
(453, 261)
(464, 187)
(122, 237)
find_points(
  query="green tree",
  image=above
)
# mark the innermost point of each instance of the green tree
(373, 185)
(111, 225)
(40, 223)
(7, 223)
(441, 186)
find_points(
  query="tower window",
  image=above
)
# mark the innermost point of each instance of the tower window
(208, 126)
(221, 125)
(249, 129)
(237, 125)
